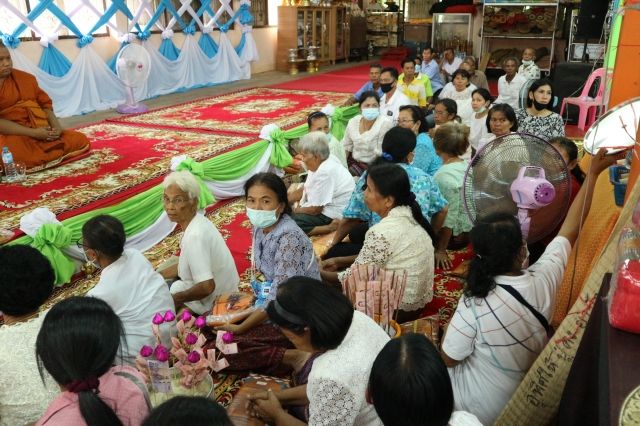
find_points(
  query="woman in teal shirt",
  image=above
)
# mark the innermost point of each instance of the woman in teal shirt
(451, 141)
(425, 157)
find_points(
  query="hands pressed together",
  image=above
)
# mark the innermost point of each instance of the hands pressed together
(47, 133)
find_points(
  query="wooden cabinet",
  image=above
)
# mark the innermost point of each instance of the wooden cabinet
(300, 27)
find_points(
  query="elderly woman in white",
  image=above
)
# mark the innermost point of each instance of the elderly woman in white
(205, 267)
(327, 189)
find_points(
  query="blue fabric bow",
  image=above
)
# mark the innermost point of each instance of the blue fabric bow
(244, 15)
(189, 30)
(10, 41)
(85, 40)
(143, 35)
(387, 156)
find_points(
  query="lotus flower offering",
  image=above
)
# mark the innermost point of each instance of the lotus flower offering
(183, 367)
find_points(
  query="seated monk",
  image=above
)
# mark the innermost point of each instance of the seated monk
(28, 126)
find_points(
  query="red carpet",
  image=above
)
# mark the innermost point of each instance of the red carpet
(245, 111)
(124, 161)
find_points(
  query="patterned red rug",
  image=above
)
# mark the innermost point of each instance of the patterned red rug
(245, 111)
(124, 161)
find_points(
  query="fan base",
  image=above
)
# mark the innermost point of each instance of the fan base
(132, 109)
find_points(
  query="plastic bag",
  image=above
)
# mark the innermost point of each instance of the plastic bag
(231, 308)
(624, 294)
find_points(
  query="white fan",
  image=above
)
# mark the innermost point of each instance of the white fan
(132, 68)
(615, 130)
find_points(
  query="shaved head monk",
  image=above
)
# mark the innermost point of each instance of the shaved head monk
(28, 126)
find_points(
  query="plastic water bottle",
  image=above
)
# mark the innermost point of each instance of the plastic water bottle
(10, 171)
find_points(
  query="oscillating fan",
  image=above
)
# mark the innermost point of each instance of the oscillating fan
(132, 68)
(519, 174)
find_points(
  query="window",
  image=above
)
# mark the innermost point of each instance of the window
(9, 21)
(144, 18)
(260, 12)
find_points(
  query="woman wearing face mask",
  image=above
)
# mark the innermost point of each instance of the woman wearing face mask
(127, 283)
(529, 69)
(205, 266)
(480, 102)
(364, 133)
(425, 157)
(493, 337)
(538, 119)
(281, 250)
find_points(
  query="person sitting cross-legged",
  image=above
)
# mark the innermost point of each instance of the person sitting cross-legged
(327, 189)
(28, 125)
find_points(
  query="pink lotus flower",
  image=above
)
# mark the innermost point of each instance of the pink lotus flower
(186, 316)
(146, 351)
(191, 339)
(201, 322)
(227, 337)
(169, 316)
(193, 357)
(157, 319)
(161, 353)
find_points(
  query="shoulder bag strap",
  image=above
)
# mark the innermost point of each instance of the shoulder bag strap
(516, 294)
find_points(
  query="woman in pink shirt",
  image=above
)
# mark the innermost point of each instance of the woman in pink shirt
(77, 344)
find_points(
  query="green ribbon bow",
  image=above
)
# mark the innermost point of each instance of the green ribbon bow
(50, 239)
(197, 170)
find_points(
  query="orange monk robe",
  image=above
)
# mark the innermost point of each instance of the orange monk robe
(22, 101)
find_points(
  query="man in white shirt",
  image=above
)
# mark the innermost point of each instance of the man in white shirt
(450, 63)
(393, 98)
(509, 85)
(328, 187)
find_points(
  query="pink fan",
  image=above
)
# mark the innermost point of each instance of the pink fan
(531, 191)
(523, 175)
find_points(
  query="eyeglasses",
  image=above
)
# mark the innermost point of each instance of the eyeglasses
(405, 121)
(436, 112)
(80, 244)
(178, 201)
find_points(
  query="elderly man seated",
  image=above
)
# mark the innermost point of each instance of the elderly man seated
(28, 126)
(327, 190)
(205, 266)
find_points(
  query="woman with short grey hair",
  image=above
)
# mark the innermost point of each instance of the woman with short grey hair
(327, 190)
(205, 266)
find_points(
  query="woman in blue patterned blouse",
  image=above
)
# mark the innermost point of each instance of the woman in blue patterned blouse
(425, 157)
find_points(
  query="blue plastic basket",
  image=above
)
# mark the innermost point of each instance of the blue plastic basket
(619, 189)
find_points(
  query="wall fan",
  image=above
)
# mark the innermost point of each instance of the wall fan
(519, 174)
(132, 68)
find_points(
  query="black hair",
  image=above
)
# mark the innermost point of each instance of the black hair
(417, 58)
(416, 115)
(105, 234)
(428, 47)
(314, 116)
(486, 95)
(397, 143)
(391, 70)
(450, 105)
(511, 58)
(391, 180)
(535, 86)
(26, 281)
(368, 94)
(78, 341)
(405, 60)
(497, 241)
(452, 138)
(188, 410)
(463, 73)
(274, 183)
(508, 112)
(409, 383)
(325, 311)
(571, 149)
(375, 65)
(448, 49)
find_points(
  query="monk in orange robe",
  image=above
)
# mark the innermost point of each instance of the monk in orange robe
(28, 126)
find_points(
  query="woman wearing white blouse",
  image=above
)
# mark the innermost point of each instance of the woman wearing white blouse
(364, 133)
(460, 90)
(317, 318)
(401, 241)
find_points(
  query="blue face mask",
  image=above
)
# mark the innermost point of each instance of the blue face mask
(370, 113)
(417, 69)
(262, 218)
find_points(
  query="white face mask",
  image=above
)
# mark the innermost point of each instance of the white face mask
(526, 63)
(480, 110)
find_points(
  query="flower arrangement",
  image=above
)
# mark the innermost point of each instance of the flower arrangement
(186, 353)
